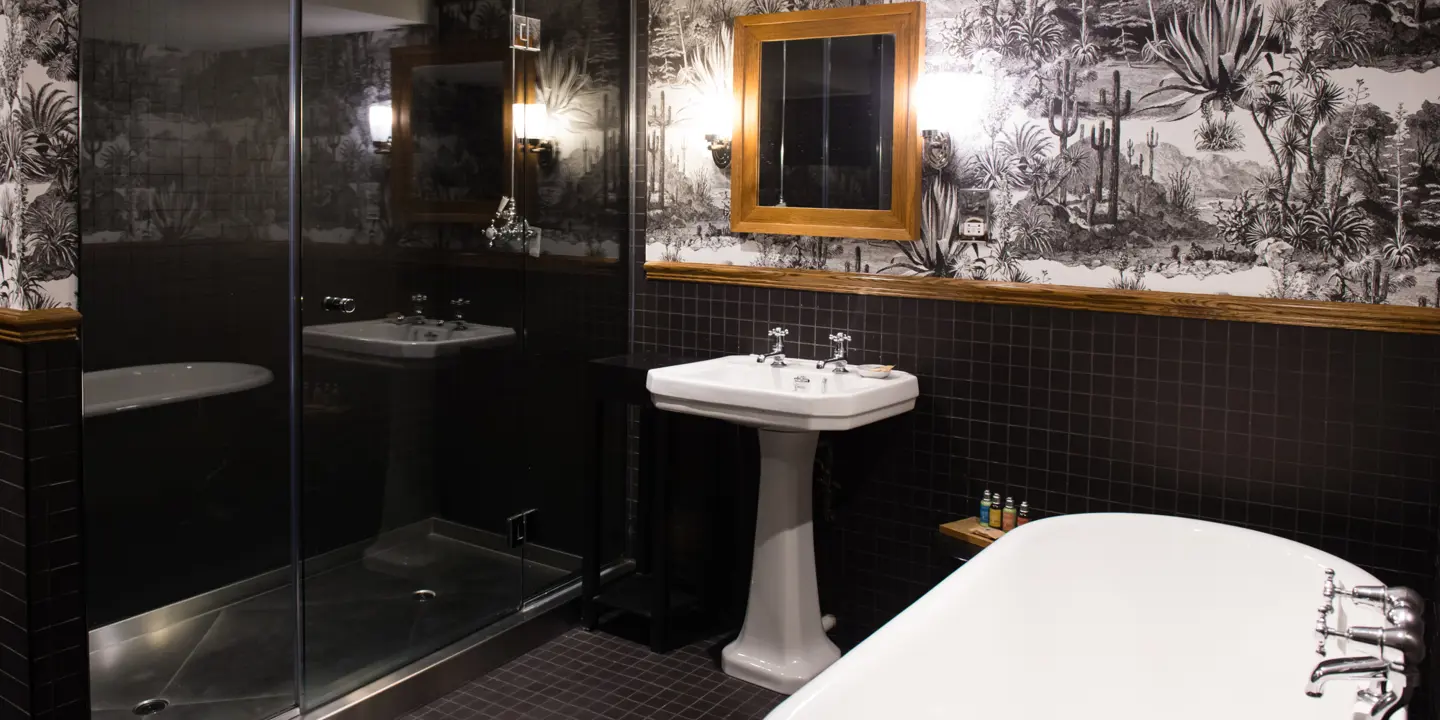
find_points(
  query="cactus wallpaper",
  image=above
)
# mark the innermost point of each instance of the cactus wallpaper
(39, 152)
(1280, 148)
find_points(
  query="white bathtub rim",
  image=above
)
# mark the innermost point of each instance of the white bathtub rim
(186, 381)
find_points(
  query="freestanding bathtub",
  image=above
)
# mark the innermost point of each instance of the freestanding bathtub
(131, 388)
(1110, 616)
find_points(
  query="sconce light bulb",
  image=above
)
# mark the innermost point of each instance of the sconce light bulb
(531, 121)
(382, 123)
(952, 101)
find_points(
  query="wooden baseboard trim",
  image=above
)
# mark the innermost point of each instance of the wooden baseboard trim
(28, 326)
(1309, 313)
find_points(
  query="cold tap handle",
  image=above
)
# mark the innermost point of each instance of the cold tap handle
(1406, 640)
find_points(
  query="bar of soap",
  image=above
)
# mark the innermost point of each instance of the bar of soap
(987, 532)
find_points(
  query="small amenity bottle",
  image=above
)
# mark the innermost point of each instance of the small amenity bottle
(985, 509)
(1007, 517)
(1024, 514)
(995, 510)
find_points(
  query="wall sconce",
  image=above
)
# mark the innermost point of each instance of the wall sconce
(532, 124)
(719, 111)
(719, 150)
(382, 128)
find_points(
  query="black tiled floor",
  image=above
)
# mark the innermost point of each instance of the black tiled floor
(583, 675)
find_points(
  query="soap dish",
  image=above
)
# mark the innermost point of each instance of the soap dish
(874, 371)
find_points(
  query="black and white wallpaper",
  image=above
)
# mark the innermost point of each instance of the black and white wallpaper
(1281, 148)
(39, 149)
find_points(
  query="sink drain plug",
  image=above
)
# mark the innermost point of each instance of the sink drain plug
(424, 595)
(150, 707)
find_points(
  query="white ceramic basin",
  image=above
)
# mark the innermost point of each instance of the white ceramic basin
(782, 644)
(1107, 616)
(385, 339)
(741, 390)
(141, 386)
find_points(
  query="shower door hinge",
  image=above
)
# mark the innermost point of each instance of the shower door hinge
(524, 33)
(519, 528)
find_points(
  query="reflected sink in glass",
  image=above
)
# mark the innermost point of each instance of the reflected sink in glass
(797, 397)
(386, 339)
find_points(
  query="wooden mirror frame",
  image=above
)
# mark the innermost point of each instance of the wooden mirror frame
(403, 62)
(906, 21)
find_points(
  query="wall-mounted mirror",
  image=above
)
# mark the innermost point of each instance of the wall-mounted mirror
(826, 142)
(453, 145)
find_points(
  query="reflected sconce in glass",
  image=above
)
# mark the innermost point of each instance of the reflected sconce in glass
(532, 126)
(720, 111)
(382, 128)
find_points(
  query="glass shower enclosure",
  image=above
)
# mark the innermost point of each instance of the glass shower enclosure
(331, 254)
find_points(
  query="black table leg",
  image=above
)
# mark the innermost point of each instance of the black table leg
(660, 536)
(594, 518)
(645, 500)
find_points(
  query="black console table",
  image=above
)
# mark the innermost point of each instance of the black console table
(650, 591)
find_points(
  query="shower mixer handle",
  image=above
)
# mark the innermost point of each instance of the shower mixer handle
(338, 304)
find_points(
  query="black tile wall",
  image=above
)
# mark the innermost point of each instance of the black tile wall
(1324, 436)
(43, 651)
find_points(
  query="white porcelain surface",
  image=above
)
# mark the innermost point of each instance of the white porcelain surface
(741, 390)
(131, 388)
(382, 338)
(1109, 616)
(782, 645)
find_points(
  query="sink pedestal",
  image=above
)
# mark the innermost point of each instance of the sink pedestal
(782, 645)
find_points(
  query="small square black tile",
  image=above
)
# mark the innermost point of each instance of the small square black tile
(593, 675)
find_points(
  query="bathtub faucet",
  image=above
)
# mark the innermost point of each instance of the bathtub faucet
(1383, 702)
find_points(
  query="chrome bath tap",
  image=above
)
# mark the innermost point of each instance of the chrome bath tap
(1383, 701)
(418, 318)
(1404, 609)
(776, 356)
(839, 341)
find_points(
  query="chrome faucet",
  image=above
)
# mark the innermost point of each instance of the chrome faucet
(839, 341)
(1382, 700)
(1403, 608)
(458, 306)
(776, 356)
(1352, 668)
(418, 318)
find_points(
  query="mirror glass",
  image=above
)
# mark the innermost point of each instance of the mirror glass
(457, 124)
(826, 122)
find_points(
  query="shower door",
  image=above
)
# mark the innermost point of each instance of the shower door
(413, 321)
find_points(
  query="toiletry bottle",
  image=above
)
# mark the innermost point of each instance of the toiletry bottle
(1007, 517)
(985, 509)
(995, 509)
(1024, 514)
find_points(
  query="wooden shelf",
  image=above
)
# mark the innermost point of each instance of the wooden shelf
(967, 531)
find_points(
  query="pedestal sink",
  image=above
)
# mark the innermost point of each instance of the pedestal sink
(782, 645)
(387, 342)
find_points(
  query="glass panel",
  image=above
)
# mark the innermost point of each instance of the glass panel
(410, 423)
(575, 302)
(184, 265)
(827, 122)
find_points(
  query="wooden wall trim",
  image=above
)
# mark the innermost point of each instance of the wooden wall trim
(1310, 313)
(26, 326)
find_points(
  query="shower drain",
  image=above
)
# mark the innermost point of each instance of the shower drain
(424, 595)
(150, 707)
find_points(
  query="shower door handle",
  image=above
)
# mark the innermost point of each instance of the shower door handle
(339, 304)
